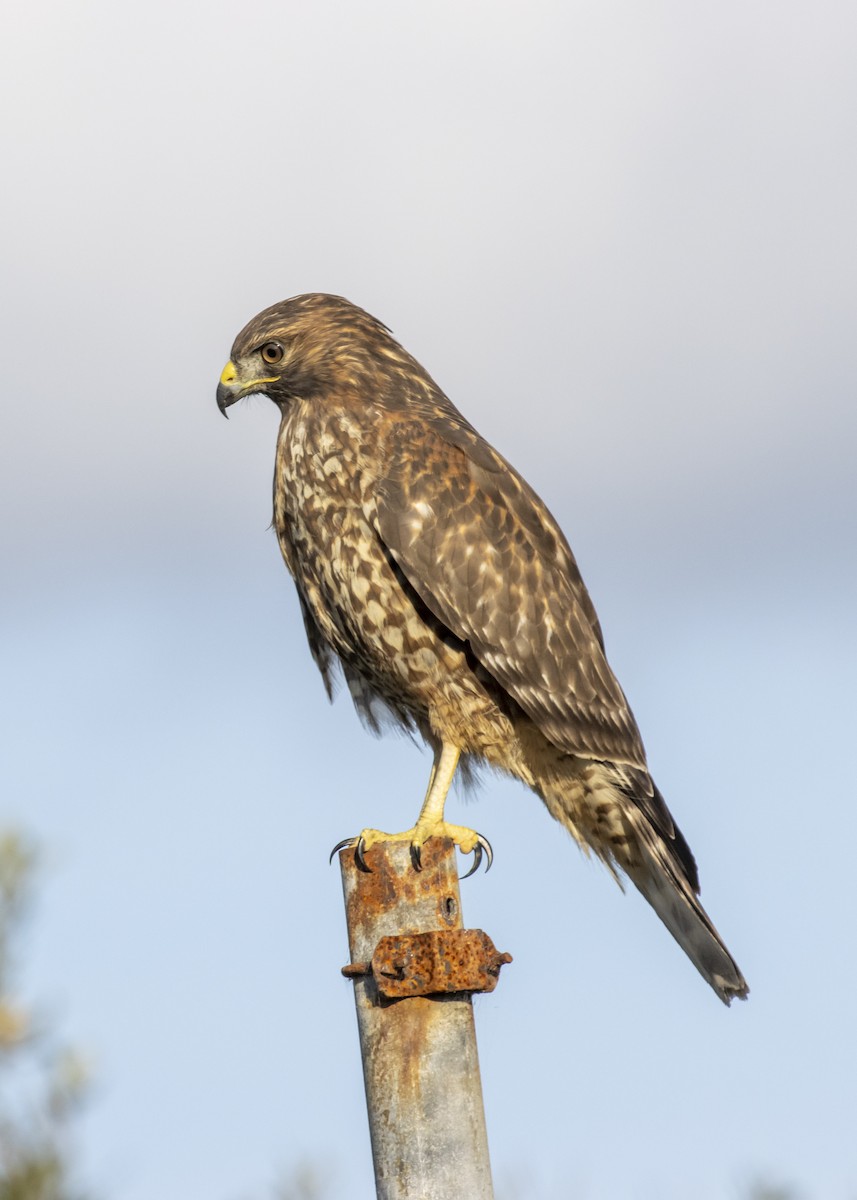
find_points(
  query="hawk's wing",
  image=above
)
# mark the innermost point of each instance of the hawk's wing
(484, 554)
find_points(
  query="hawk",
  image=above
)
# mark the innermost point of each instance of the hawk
(431, 573)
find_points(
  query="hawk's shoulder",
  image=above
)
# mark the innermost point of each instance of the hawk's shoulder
(483, 552)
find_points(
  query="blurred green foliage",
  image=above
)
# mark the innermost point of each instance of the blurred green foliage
(42, 1084)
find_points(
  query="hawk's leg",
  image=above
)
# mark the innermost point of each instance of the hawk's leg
(430, 822)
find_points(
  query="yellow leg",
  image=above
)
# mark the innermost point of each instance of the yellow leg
(430, 822)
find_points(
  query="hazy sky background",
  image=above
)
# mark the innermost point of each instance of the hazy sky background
(621, 236)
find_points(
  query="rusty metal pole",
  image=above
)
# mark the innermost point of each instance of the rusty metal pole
(420, 1066)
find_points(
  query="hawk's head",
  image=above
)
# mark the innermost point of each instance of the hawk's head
(309, 344)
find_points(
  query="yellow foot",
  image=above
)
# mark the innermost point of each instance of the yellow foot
(467, 840)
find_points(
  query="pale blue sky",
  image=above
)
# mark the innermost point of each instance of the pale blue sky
(622, 238)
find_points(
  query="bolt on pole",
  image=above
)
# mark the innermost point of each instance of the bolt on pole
(414, 968)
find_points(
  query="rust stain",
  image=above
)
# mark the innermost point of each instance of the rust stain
(411, 1032)
(382, 889)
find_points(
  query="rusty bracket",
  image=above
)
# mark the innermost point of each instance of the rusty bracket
(430, 964)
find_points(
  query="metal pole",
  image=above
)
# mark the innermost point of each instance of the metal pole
(420, 1066)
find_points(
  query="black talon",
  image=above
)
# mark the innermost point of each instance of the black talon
(416, 856)
(359, 846)
(359, 851)
(341, 846)
(477, 859)
(482, 844)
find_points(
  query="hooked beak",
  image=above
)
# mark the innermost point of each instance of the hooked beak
(227, 393)
(232, 388)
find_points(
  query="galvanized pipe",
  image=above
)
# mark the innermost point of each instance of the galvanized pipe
(420, 1066)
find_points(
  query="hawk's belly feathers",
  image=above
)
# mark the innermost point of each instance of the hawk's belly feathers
(361, 604)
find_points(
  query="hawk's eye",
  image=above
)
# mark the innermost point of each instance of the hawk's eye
(272, 352)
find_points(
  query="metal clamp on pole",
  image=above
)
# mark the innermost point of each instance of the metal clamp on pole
(433, 963)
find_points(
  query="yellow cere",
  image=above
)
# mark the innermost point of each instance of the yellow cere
(228, 373)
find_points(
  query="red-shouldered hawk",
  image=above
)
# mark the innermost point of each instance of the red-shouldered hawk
(438, 581)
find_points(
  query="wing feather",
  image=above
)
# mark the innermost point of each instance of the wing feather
(487, 558)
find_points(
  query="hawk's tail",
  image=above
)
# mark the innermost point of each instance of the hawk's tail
(658, 872)
(618, 813)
